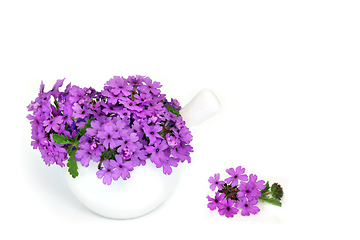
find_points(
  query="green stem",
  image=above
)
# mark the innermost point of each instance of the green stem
(56, 105)
(266, 193)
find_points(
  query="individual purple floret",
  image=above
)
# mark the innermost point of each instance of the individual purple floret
(247, 206)
(53, 124)
(107, 174)
(109, 138)
(216, 203)
(260, 185)
(152, 132)
(157, 152)
(119, 85)
(150, 87)
(236, 176)
(227, 209)
(122, 168)
(215, 182)
(166, 165)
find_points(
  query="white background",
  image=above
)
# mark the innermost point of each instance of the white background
(286, 73)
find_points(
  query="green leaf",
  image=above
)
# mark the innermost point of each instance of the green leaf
(56, 105)
(72, 164)
(270, 200)
(61, 139)
(173, 110)
(266, 188)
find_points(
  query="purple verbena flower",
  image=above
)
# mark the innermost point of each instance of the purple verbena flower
(128, 140)
(89, 149)
(182, 152)
(215, 182)
(236, 175)
(246, 190)
(33, 106)
(94, 129)
(135, 80)
(37, 138)
(251, 189)
(227, 209)
(185, 135)
(109, 136)
(76, 93)
(143, 98)
(172, 141)
(119, 86)
(131, 105)
(170, 162)
(139, 156)
(216, 202)
(107, 172)
(84, 155)
(79, 111)
(150, 86)
(122, 168)
(260, 185)
(110, 108)
(55, 90)
(67, 114)
(247, 206)
(152, 132)
(125, 153)
(53, 124)
(157, 152)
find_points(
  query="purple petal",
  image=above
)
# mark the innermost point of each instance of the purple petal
(212, 206)
(100, 173)
(107, 178)
(245, 212)
(240, 170)
(230, 171)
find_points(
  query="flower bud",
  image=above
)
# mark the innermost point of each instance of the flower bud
(277, 191)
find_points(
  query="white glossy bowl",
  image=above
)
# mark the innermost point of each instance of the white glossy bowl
(147, 187)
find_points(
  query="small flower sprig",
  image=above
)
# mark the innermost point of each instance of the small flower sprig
(241, 192)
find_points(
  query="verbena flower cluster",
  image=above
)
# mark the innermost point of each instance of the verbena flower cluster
(240, 192)
(120, 128)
